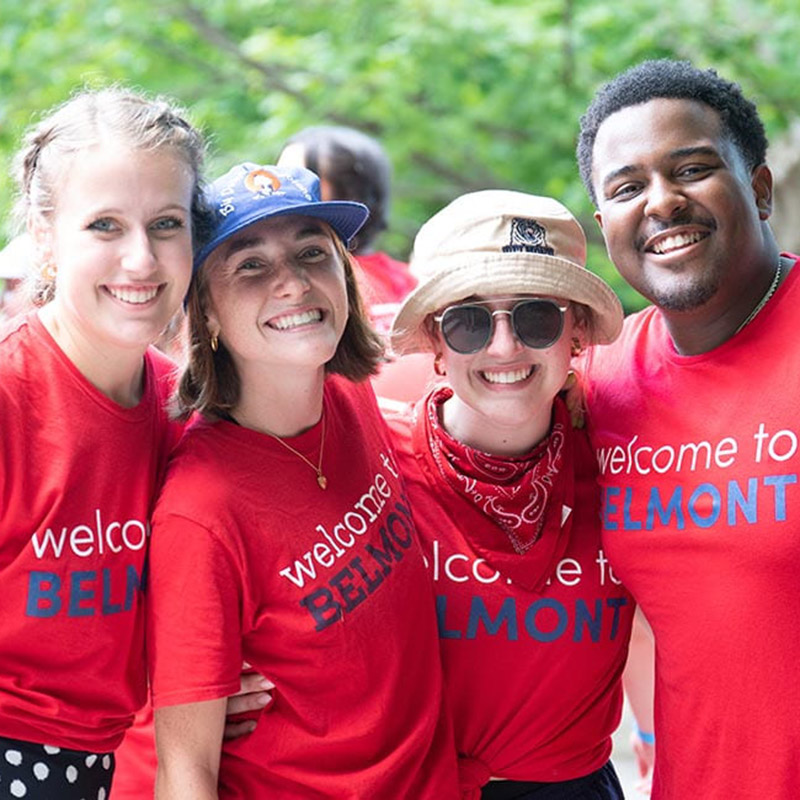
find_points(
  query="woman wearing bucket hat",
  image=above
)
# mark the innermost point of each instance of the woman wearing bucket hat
(533, 625)
(283, 519)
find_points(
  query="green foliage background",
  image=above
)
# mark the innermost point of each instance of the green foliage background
(464, 94)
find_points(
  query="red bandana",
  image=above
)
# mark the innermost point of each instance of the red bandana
(528, 497)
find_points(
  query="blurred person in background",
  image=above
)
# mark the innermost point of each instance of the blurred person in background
(15, 262)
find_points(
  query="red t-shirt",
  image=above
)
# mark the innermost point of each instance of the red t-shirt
(78, 474)
(384, 283)
(135, 759)
(382, 279)
(699, 461)
(323, 591)
(532, 679)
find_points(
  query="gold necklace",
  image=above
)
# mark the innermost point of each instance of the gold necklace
(322, 481)
(765, 299)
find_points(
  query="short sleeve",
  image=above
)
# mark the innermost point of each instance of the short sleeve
(193, 614)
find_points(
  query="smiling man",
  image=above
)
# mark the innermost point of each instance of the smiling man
(695, 414)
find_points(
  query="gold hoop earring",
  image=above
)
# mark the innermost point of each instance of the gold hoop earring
(48, 271)
(214, 342)
(438, 365)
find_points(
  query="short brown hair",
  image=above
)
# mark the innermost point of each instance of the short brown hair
(210, 383)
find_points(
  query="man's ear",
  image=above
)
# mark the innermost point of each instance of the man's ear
(598, 218)
(761, 181)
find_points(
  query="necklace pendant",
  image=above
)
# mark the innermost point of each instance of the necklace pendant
(322, 481)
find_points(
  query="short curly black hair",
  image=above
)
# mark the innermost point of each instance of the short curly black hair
(677, 80)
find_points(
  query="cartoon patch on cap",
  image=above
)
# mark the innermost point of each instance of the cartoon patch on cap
(528, 236)
(262, 181)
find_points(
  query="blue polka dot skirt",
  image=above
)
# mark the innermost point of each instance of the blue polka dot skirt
(41, 772)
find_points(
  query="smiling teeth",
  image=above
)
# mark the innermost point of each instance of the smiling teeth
(674, 242)
(296, 320)
(508, 377)
(134, 296)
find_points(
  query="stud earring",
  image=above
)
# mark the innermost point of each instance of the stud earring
(438, 365)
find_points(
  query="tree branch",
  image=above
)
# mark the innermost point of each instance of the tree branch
(272, 75)
(274, 80)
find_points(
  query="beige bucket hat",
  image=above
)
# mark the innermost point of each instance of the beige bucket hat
(501, 242)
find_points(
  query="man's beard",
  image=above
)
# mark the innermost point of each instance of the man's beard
(685, 297)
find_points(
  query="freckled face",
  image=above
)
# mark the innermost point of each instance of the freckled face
(680, 211)
(277, 294)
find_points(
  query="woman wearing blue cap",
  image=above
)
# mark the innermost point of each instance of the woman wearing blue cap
(284, 524)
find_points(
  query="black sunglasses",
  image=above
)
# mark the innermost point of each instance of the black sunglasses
(468, 328)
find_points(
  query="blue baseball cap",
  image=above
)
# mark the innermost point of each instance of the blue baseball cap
(249, 193)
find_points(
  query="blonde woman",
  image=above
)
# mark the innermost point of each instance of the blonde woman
(109, 186)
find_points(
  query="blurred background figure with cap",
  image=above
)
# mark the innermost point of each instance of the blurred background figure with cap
(15, 259)
(533, 627)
